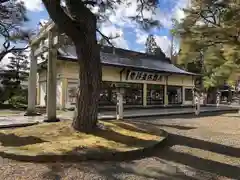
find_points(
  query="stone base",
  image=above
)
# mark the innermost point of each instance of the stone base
(52, 120)
(32, 114)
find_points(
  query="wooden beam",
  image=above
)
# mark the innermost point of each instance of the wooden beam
(43, 33)
(40, 51)
(51, 80)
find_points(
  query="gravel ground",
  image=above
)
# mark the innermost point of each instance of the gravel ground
(198, 148)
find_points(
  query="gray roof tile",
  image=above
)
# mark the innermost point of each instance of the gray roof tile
(140, 60)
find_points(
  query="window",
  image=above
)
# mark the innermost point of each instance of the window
(188, 95)
(155, 94)
(107, 94)
(174, 94)
(133, 94)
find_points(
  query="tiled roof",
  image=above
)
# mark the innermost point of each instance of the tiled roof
(128, 59)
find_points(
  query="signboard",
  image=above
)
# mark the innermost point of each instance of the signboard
(120, 85)
(143, 76)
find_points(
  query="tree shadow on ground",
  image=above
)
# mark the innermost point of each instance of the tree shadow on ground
(175, 139)
(152, 128)
(110, 171)
(166, 125)
(121, 138)
(185, 116)
(14, 141)
(165, 158)
(203, 167)
(200, 163)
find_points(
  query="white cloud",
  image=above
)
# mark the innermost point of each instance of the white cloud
(166, 20)
(164, 43)
(111, 30)
(141, 36)
(33, 5)
(120, 18)
(175, 13)
(124, 10)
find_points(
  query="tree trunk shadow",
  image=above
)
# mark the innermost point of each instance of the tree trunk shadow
(200, 163)
(14, 141)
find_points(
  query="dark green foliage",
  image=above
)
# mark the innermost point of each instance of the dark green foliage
(150, 44)
(13, 75)
(19, 100)
(211, 40)
(152, 47)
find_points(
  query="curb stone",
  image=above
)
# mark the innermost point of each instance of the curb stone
(18, 125)
(106, 156)
(216, 112)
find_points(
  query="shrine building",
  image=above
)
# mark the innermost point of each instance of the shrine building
(147, 80)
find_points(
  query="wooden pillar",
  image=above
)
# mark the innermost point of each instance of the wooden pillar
(144, 94)
(38, 91)
(183, 95)
(119, 108)
(64, 93)
(51, 80)
(165, 92)
(32, 85)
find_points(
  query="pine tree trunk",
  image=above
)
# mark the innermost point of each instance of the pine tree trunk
(90, 74)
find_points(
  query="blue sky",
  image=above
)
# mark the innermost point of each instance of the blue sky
(132, 37)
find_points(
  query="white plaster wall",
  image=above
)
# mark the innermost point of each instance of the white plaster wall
(43, 92)
(59, 93)
(188, 102)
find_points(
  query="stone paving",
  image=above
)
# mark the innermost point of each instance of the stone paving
(171, 111)
(154, 112)
(206, 148)
(19, 118)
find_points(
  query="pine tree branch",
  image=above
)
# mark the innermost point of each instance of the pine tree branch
(207, 20)
(13, 49)
(91, 3)
(105, 37)
(3, 1)
(60, 17)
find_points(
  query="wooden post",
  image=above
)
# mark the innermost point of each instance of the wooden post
(183, 95)
(64, 93)
(51, 80)
(165, 91)
(32, 85)
(119, 108)
(144, 94)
